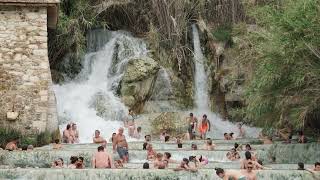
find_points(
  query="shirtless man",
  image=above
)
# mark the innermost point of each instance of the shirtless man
(229, 174)
(120, 144)
(97, 139)
(249, 173)
(204, 126)
(74, 133)
(184, 165)
(56, 144)
(158, 163)
(316, 166)
(192, 125)
(209, 146)
(244, 162)
(130, 123)
(12, 145)
(102, 159)
(66, 137)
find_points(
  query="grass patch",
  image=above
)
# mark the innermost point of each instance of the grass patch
(223, 33)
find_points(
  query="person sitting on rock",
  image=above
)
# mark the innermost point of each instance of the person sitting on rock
(66, 136)
(167, 157)
(58, 163)
(147, 138)
(150, 152)
(209, 146)
(74, 133)
(233, 155)
(158, 163)
(194, 147)
(229, 174)
(12, 145)
(80, 163)
(226, 136)
(97, 139)
(249, 173)
(102, 159)
(184, 165)
(73, 162)
(56, 144)
(118, 164)
(248, 158)
(301, 137)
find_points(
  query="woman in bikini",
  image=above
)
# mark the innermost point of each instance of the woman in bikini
(204, 127)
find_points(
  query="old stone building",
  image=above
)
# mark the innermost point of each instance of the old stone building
(27, 102)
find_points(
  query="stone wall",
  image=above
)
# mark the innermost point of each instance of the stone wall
(25, 79)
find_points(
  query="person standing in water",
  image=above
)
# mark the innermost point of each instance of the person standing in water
(130, 123)
(204, 126)
(120, 144)
(192, 125)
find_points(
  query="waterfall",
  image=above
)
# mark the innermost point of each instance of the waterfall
(201, 80)
(202, 98)
(90, 99)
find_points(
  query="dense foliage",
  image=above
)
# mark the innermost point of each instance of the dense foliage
(285, 54)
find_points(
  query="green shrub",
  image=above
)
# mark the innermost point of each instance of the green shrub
(44, 138)
(223, 33)
(7, 135)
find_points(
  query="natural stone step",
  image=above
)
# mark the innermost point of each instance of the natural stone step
(156, 146)
(137, 174)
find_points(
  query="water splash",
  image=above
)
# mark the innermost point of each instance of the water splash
(90, 99)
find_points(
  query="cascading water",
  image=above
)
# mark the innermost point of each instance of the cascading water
(202, 98)
(201, 81)
(90, 100)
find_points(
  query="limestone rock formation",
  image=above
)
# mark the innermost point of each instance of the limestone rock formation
(138, 81)
(172, 122)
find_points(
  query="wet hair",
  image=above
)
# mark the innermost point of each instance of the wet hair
(24, 147)
(204, 116)
(248, 146)
(145, 165)
(57, 141)
(191, 158)
(225, 134)
(81, 158)
(300, 166)
(231, 134)
(316, 164)
(236, 145)
(260, 162)
(191, 114)
(144, 146)
(167, 154)
(247, 154)
(179, 145)
(185, 160)
(219, 171)
(97, 131)
(100, 148)
(159, 155)
(68, 126)
(139, 129)
(73, 159)
(61, 160)
(210, 142)
(166, 138)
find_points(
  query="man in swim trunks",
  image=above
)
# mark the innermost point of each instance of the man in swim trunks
(249, 173)
(102, 159)
(97, 139)
(192, 125)
(204, 127)
(120, 144)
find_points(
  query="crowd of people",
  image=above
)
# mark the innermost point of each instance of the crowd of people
(157, 160)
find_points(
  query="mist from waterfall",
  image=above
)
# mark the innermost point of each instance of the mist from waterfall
(201, 80)
(90, 99)
(202, 98)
